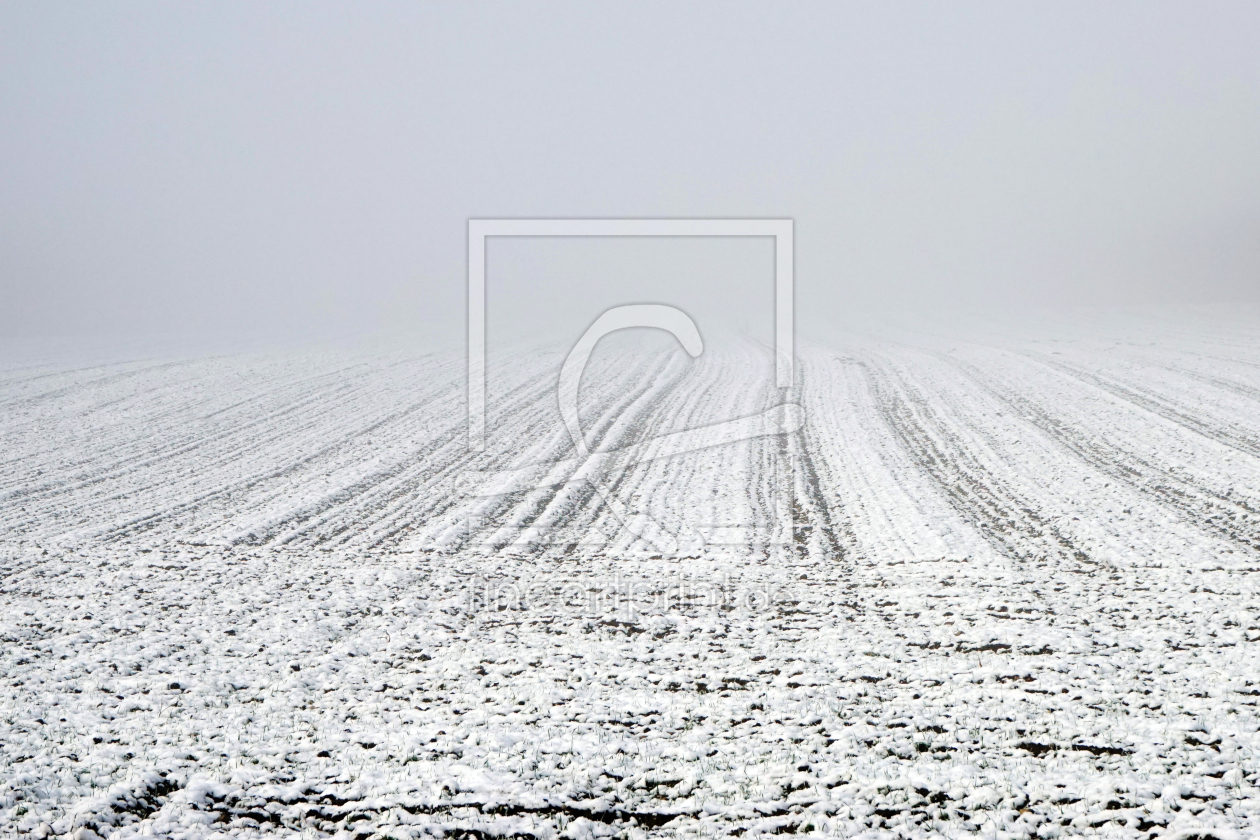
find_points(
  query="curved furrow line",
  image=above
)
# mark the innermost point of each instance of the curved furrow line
(1244, 440)
(108, 378)
(684, 490)
(1110, 519)
(1221, 513)
(1009, 522)
(226, 490)
(284, 512)
(609, 391)
(743, 495)
(819, 520)
(279, 506)
(142, 450)
(1240, 388)
(560, 518)
(406, 499)
(1224, 401)
(193, 468)
(59, 371)
(145, 457)
(1189, 363)
(892, 512)
(1231, 359)
(534, 435)
(415, 490)
(785, 502)
(550, 508)
(551, 520)
(208, 385)
(325, 519)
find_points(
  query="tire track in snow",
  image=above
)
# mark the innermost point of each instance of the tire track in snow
(494, 523)
(618, 426)
(692, 491)
(815, 511)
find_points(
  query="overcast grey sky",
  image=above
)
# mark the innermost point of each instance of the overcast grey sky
(310, 168)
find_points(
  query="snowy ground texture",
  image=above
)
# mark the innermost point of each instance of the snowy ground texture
(1005, 586)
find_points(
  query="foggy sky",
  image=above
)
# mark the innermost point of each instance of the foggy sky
(309, 169)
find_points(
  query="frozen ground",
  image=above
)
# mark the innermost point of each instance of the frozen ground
(1004, 586)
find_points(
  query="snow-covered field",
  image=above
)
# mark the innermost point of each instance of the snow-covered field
(1006, 586)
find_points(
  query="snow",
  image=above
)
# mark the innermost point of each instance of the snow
(1006, 585)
